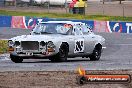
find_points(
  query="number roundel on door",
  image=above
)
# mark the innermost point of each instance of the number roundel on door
(79, 46)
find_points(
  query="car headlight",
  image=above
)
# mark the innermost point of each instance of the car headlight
(17, 46)
(10, 43)
(17, 43)
(42, 43)
(50, 46)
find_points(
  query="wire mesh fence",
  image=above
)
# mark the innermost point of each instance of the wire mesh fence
(97, 7)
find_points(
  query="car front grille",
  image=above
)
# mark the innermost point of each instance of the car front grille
(30, 45)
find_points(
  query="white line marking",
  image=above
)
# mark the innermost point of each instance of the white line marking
(4, 39)
(4, 58)
(104, 47)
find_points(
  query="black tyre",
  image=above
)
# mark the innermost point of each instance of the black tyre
(96, 54)
(53, 59)
(62, 55)
(16, 59)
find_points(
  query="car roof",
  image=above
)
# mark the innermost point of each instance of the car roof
(68, 22)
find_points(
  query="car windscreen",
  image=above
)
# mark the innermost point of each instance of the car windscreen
(52, 28)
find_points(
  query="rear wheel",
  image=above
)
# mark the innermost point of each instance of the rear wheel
(16, 59)
(96, 54)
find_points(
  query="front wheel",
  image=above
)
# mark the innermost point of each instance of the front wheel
(61, 55)
(95, 55)
(16, 59)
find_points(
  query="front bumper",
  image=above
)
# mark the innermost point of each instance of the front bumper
(33, 55)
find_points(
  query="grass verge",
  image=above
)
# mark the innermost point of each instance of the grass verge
(3, 46)
(67, 16)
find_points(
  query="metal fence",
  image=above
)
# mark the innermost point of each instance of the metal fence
(113, 8)
(2, 2)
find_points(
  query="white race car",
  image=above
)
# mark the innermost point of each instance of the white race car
(56, 41)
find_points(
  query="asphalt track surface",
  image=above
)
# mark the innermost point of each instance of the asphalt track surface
(116, 56)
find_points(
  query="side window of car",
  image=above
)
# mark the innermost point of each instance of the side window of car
(86, 29)
(59, 29)
(77, 31)
(43, 28)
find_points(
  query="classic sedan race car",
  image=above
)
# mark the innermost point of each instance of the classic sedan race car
(56, 41)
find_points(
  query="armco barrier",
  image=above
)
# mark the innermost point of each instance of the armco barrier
(25, 22)
(110, 26)
(122, 27)
(30, 22)
(5, 21)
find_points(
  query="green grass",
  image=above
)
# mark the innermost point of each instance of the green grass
(68, 16)
(3, 46)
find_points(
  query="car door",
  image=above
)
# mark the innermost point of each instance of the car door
(90, 40)
(89, 43)
(79, 42)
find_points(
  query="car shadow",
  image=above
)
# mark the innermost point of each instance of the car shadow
(68, 61)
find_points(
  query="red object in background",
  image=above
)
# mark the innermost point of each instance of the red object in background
(101, 26)
(71, 5)
(17, 22)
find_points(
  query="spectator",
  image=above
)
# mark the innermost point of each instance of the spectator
(71, 6)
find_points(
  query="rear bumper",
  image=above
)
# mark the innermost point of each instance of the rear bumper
(104, 47)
